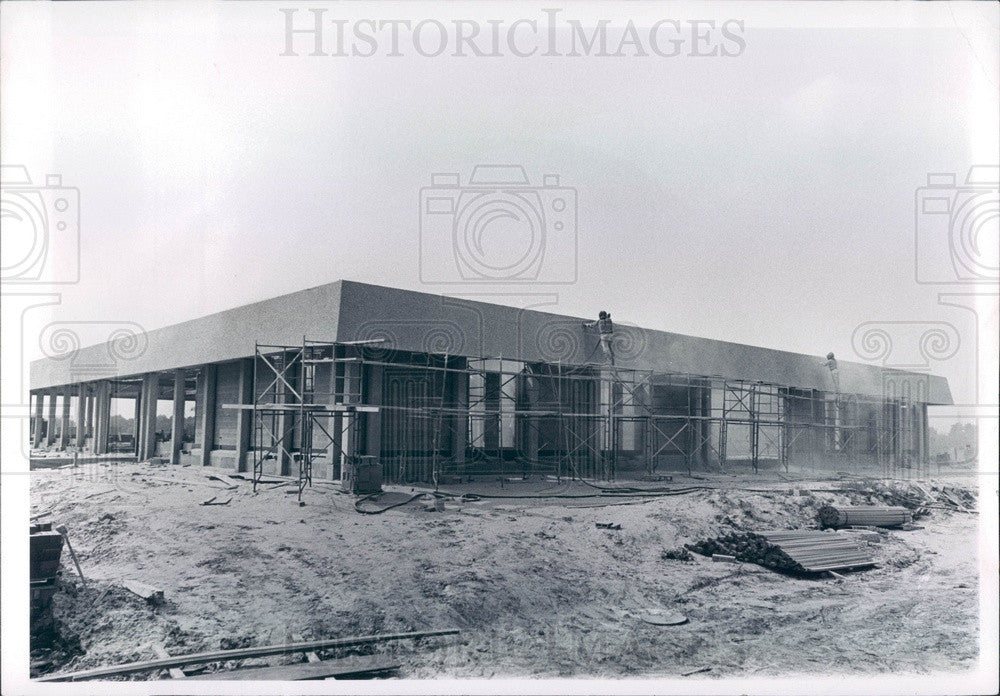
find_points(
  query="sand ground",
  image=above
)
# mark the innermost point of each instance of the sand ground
(536, 588)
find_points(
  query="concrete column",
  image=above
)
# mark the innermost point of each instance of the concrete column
(99, 401)
(81, 416)
(460, 423)
(244, 417)
(206, 412)
(102, 417)
(706, 410)
(925, 441)
(50, 425)
(147, 416)
(89, 417)
(64, 420)
(39, 422)
(177, 427)
(136, 421)
(372, 424)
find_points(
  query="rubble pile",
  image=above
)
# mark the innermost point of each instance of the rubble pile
(748, 547)
(917, 498)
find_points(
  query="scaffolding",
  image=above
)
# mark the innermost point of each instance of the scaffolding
(428, 416)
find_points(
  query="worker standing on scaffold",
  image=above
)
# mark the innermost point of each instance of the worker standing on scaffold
(606, 330)
(831, 362)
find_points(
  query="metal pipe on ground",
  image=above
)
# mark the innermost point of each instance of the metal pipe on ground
(830, 516)
(241, 653)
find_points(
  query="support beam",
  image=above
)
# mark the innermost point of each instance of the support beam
(372, 428)
(50, 426)
(81, 416)
(64, 420)
(460, 422)
(177, 427)
(136, 421)
(89, 417)
(925, 441)
(102, 417)
(244, 417)
(39, 423)
(206, 412)
(147, 416)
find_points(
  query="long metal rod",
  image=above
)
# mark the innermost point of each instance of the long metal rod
(241, 654)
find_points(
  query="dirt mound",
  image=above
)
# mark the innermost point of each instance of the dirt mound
(86, 616)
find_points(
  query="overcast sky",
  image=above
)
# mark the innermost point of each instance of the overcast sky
(764, 198)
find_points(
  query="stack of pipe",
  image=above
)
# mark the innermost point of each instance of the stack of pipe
(815, 551)
(795, 551)
(868, 516)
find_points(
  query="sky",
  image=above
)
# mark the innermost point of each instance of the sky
(764, 198)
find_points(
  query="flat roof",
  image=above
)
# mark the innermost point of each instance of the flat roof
(422, 322)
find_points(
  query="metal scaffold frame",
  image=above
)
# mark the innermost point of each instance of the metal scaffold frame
(445, 415)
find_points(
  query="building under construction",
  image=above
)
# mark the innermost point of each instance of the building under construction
(430, 387)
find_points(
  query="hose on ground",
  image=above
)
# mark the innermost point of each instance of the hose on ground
(379, 511)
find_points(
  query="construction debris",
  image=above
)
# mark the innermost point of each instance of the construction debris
(212, 501)
(794, 551)
(151, 594)
(678, 554)
(241, 654)
(45, 552)
(910, 495)
(663, 617)
(344, 668)
(830, 516)
(607, 525)
(65, 535)
(224, 479)
(161, 652)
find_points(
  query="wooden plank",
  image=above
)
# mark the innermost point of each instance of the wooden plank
(161, 652)
(151, 594)
(184, 482)
(224, 479)
(310, 655)
(342, 668)
(242, 653)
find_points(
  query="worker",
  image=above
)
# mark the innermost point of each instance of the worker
(831, 363)
(606, 330)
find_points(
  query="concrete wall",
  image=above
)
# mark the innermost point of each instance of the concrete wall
(414, 321)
